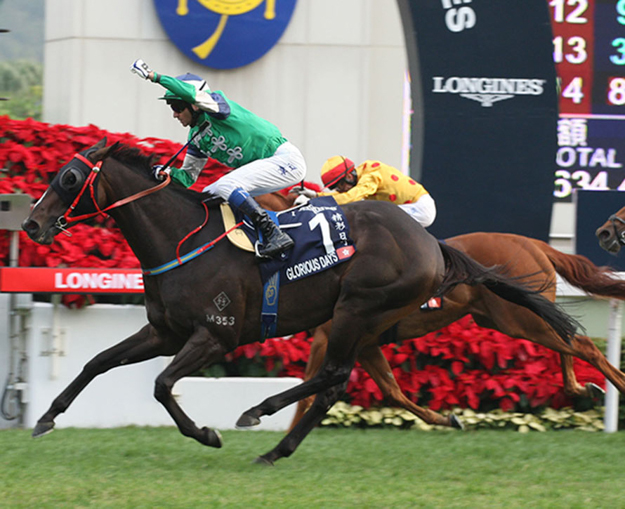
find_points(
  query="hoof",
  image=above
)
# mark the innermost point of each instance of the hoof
(247, 421)
(211, 438)
(261, 460)
(43, 428)
(594, 391)
(454, 422)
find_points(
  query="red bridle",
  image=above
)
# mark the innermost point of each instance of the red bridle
(63, 221)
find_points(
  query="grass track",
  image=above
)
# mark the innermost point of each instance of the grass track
(158, 467)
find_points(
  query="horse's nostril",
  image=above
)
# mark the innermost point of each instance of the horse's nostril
(29, 226)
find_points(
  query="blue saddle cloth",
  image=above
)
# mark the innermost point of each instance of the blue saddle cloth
(321, 234)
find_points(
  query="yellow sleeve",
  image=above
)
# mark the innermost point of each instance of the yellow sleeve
(367, 186)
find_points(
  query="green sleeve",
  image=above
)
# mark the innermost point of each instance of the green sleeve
(181, 177)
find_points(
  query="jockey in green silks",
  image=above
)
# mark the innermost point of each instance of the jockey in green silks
(262, 160)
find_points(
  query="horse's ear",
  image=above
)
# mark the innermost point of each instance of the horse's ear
(95, 152)
(100, 144)
(102, 151)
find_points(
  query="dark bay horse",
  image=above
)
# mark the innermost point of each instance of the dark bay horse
(397, 266)
(611, 234)
(520, 256)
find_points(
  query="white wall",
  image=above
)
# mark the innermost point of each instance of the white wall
(124, 395)
(333, 84)
(5, 352)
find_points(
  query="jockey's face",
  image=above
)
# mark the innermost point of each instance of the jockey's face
(185, 117)
(343, 186)
(346, 183)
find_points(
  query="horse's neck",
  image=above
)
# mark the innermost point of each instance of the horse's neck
(154, 225)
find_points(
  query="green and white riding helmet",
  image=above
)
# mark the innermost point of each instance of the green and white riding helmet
(174, 100)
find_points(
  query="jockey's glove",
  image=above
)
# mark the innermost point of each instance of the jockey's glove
(159, 172)
(140, 68)
(302, 191)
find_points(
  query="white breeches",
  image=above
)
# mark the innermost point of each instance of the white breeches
(423, 210)
(284, 169)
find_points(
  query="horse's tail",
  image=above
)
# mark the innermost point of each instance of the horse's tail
(580, 272)
(460, 269)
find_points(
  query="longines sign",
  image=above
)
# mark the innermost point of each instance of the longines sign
(225, 34)
(487, 91)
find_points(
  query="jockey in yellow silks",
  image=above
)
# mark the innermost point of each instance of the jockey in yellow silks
(374, 180)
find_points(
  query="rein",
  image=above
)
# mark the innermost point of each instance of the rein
(619, 237)
(189, 256)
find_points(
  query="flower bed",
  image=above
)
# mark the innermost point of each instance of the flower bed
(343, 415)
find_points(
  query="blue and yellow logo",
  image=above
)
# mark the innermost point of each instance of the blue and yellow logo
(225, 34)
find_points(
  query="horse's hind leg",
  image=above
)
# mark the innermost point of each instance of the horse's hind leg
(373, 361)
(585, 349)
(337, 366)
(315, 360)
(143, 345)
(518, 323)
(200, 350)
(572, 388)
(322, 403)
(331, 373)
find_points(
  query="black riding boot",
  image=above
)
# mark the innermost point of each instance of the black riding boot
(275, 241)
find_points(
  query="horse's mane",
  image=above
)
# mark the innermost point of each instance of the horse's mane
(136, 160)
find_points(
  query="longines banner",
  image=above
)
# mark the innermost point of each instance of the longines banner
(486, 110)
(224, 34)
(47, 280)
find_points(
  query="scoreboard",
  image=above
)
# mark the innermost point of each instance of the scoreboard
(484, 127)
(589, 53)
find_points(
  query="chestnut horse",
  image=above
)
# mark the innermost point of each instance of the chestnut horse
(397, 266)
(520, 256)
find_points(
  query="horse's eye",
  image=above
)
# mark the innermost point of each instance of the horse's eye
(72, 179)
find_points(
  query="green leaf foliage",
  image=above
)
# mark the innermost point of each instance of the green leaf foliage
(21, 84)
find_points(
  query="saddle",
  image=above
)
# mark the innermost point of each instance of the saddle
(319, 229)
(237, 236)
(321, 234)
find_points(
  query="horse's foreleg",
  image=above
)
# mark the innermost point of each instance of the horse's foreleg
(200, 350)
(373, 362)
(315, 360)
(143, 345)
(322, 403)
